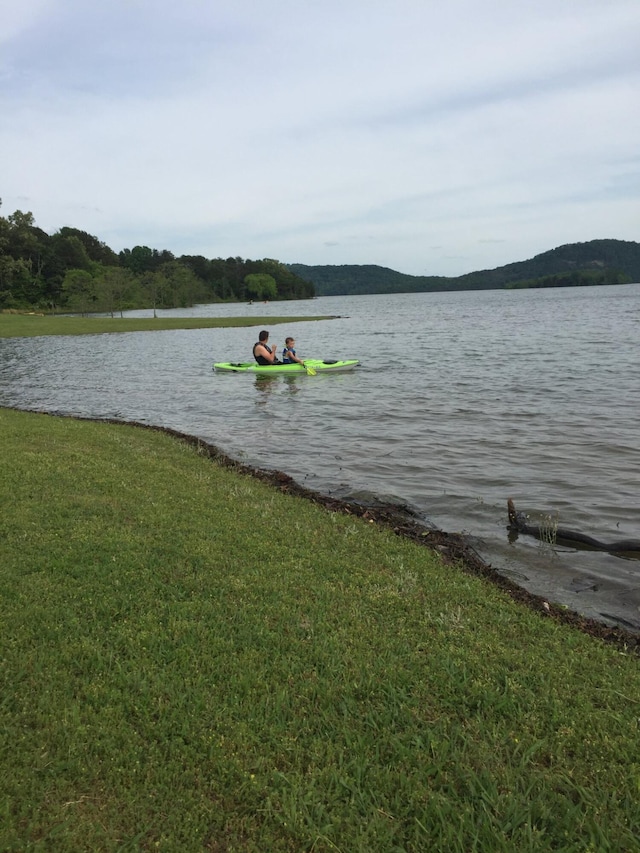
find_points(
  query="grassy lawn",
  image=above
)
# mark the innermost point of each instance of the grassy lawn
(192, 660)
(31, 325)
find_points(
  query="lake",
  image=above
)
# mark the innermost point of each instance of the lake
(461, 401)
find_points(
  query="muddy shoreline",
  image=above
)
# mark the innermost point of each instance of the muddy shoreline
(454, 549)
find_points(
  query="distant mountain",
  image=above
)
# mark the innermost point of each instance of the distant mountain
(595, 262)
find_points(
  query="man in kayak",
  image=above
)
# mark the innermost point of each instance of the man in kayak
(262, 352)
(289, 354)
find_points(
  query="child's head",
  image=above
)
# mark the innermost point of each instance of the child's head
(289, 342)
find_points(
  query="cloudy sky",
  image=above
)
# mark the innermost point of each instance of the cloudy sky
(431, 137)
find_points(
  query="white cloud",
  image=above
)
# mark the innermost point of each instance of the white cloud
(352, 132)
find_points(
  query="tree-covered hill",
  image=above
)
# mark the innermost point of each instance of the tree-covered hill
(594, 262)
(76, 272)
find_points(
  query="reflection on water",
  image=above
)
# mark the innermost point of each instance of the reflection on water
(266, 385)
(461, 401)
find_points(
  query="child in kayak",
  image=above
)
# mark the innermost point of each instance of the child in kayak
(289, 354)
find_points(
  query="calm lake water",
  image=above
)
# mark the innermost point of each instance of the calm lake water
(461, 401)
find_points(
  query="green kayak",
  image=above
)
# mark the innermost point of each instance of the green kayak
(310, 366)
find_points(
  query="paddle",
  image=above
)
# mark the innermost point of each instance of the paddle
(309, 369)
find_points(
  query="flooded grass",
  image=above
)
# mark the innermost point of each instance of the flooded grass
(33, 325)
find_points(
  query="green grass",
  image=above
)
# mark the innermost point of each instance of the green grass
(31, 325)
(193, 660)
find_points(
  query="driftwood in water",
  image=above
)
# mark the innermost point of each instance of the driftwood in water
(518, 523)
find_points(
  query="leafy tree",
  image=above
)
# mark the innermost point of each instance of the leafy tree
(138, 260)
(114, 287)
(23, 241)
(68, 252)
(143, 259)
(155, 289)
(96, 250)
(62, 253)
(78, 287)
(16, 283)
(289, 285)
(184, 285)
(198, 265)
(261, 285)
(220, 282)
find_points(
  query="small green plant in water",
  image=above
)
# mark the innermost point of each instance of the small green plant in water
(549, 530)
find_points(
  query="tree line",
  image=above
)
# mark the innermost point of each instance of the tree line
(73, 271)
(580, 278)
